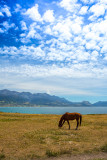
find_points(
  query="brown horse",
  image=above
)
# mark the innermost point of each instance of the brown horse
(70, 116)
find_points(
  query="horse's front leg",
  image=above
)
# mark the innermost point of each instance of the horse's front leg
(63, 122)
(77, 124)
(68, 124)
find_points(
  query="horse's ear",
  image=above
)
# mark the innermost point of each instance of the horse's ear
(66, 112)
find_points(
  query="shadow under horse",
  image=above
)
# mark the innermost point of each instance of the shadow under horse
(70, 116)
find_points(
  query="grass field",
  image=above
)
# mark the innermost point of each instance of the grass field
(26, 137)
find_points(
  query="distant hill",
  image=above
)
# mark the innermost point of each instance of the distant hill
(13, 98)
(100, 103)
(26, 98)
(84, 103)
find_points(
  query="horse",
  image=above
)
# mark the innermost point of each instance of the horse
(70, 116)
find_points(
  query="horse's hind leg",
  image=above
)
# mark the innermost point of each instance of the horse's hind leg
(77, 124)
(68, 124)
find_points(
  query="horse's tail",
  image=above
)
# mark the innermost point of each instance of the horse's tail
(80, 119)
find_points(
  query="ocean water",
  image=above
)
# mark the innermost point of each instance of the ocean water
(54, 110)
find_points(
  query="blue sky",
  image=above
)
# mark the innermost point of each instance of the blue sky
(57, 47)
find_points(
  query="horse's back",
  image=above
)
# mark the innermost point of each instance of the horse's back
(71, 116)
(75, 113)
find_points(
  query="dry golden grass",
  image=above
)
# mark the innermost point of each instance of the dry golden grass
(26, 137)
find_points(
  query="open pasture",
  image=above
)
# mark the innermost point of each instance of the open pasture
(26, 136)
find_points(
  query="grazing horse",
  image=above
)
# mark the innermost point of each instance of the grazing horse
(70, 116)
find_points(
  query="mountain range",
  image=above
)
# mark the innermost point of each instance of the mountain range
(13, 98)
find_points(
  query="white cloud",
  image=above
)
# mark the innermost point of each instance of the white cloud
(33, 34)
(34, 26)
(71, 71)
(101, 27)
(76, 28)
(6, 10)
(48, 30)
(18, 8)
(82, 55)
(70, 5)
(33, 13)
(92, 36)
(79, 40)
(25, 51)
(63, 29)
(1, 14)
(103, 1)
(55, 85)
(70, 47)
(23, 39)
(97, 10)
(89, 1)
(104, 47)
(95, 35)
(83, 10)
(48, 16)
(94, 56)
(1, 31)
(92, 45)
(7, 26)
(23, 25)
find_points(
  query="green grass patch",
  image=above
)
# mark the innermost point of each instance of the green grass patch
(104, 148)
(2, 156)
(51, 153)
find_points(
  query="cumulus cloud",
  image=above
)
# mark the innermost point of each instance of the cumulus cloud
(6, 10)
(83, 10)
(23, 25)
(48, 30)
(25, 51)
(88, 1)
(97, 10)
(91, 45)
(1, 30)
(33, 13)
(48, 16)
(69, 5)
(18, 8)
(70, 71)
(65, 28)
(6, 26)
(32, 33)
(68, 43)
(1, 14)
(104, 47)
(94, 55)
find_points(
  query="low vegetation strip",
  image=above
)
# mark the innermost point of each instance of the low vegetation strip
(26, 137)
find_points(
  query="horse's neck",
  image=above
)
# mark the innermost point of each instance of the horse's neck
(61, 118)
